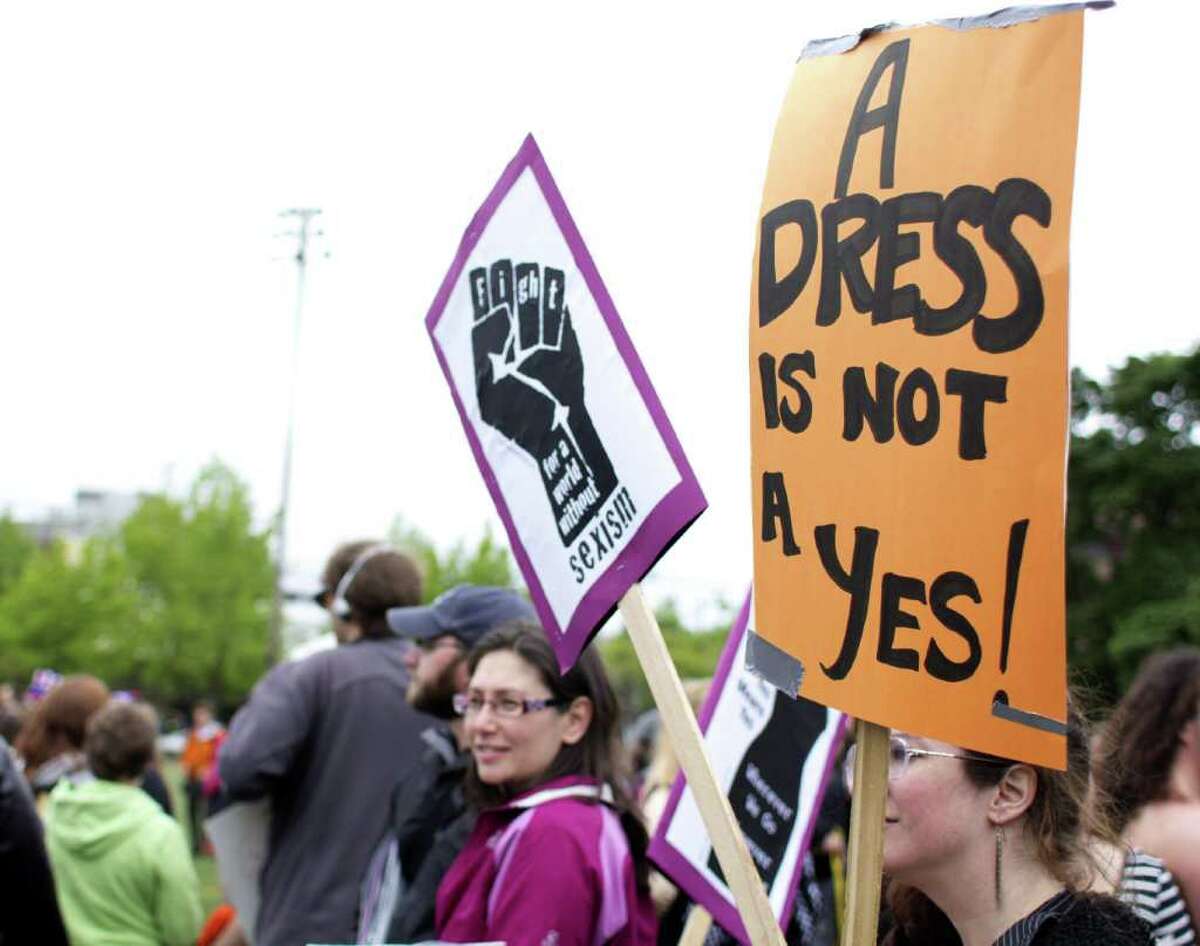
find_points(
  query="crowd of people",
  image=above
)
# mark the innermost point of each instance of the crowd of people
(437, 776)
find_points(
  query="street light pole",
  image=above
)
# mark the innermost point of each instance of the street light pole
(303, 233)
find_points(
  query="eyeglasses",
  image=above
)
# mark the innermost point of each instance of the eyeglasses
(900, 754)
(506, 707)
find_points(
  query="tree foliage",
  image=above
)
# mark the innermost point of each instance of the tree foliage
(74, 613)
(487, 563)
(16, 549)
(175, 604)
(694, 652)
(206, 584)
(1133, 522)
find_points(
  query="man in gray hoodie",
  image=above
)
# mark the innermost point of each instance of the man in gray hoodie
(326, 738)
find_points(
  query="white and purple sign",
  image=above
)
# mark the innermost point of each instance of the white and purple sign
(586, 473)
(773, 755)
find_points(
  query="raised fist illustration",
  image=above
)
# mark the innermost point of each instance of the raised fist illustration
(529, 381)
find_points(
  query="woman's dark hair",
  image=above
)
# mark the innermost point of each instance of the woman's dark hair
(389, 579)
(599, 754)
(1139, 742)
(1056, 822)
(58, 723)
(120, 741)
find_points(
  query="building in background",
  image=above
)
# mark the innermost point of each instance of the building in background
(94, 512)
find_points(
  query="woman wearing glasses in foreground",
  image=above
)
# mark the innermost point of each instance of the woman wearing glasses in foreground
(557, 856)
(981, 850)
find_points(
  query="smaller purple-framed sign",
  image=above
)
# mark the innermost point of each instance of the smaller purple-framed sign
(774, 757)
(586, 472)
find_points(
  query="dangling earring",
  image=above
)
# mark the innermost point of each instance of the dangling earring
(999, 857)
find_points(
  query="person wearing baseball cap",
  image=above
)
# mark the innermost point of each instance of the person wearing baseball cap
(443, 632)
(429, 820)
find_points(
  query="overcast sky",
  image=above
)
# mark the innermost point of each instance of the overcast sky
(148, 148)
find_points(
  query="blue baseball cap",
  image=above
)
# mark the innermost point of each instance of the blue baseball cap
(465, 611)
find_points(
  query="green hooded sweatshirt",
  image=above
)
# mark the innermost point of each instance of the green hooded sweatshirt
(121, 867)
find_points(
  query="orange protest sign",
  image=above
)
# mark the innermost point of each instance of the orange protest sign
(909, 394)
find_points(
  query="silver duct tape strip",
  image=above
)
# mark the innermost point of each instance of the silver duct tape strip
(1026, 718)
(1009, 16)
(777, 667)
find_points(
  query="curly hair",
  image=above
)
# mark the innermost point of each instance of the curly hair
(1138, 746)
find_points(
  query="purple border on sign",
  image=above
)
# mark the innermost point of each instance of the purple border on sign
(674, 512)
(672, 861)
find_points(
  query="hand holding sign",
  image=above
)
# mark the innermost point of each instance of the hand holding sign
(529, 379)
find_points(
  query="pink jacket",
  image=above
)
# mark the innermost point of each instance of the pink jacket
(550, 868)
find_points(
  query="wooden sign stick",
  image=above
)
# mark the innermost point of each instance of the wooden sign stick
(681, 728)
(699, 922)
(865, 856)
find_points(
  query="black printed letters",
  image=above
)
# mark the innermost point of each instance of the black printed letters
(882, 397)
(848, 256)
(854, 223)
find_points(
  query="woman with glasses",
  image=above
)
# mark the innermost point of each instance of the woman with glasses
(982, 850)
(557, 855)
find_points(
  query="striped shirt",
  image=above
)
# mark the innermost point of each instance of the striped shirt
(1150, 890)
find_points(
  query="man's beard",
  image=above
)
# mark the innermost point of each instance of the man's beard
(436, 697)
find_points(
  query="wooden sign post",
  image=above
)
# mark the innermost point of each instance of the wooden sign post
(864, 866)
(695, 929)
(684, 734)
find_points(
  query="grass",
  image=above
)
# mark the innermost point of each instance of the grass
(206, 867)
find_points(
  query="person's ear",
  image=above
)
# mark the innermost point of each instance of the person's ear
(462, 676)
(1013, 795)
(576, 720)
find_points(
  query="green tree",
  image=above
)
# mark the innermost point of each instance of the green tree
(1133, 519)
(206, 586)
(485, 563)
(694, 653)
(16, 549)
(175, 604)
(75, 613)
